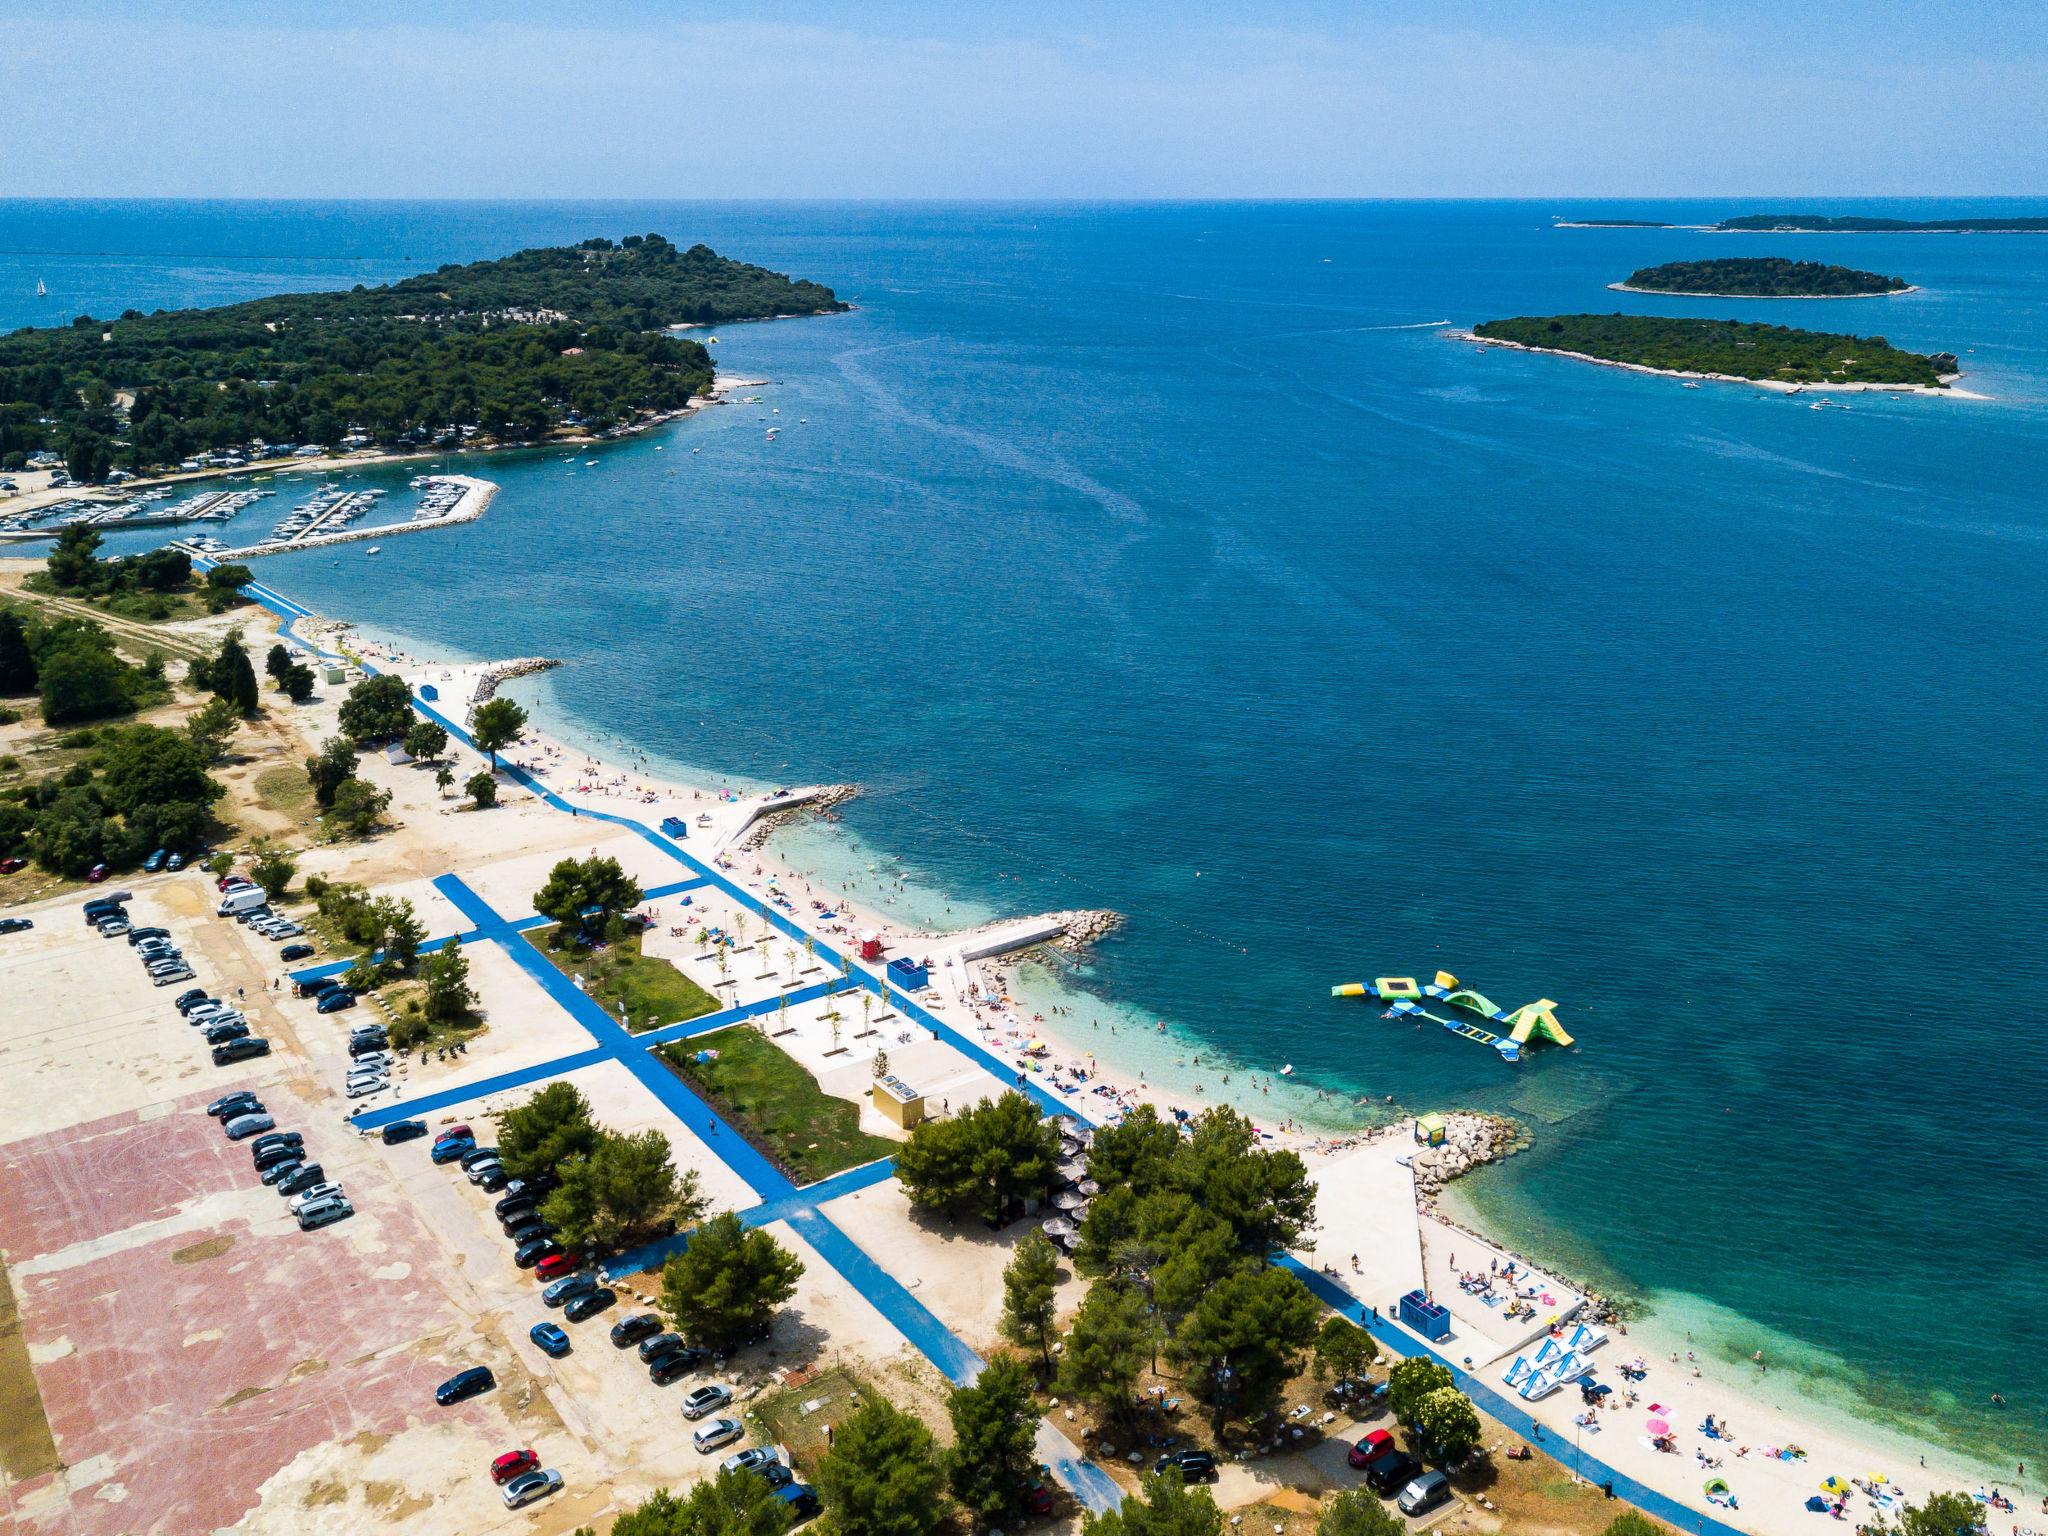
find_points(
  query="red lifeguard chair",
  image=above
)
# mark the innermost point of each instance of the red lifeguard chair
(871, 945)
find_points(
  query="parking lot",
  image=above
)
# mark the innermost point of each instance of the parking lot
(203, 1363)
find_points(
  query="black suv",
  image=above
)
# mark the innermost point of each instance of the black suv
(1194, 1466)
(631, 1330)
(1391, 1472)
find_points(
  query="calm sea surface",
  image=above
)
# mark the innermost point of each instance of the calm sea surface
(1164, 558)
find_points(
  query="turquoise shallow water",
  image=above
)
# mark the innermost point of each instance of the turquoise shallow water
(1153, 558)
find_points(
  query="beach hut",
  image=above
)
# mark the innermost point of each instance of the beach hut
(1431, 1130)
(900, 1102)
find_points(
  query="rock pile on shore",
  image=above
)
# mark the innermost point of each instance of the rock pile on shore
(819, 804)
(1086, 926)
(1470, 1140)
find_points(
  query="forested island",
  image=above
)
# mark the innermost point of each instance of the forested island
(1820, 223)
(1762, 277)
(1735, 349)
(504, 351)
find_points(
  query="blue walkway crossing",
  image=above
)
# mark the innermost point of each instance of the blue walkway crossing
(463, 1093)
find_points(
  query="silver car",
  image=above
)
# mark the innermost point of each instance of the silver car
(314, 1196)
(362, 1088)
(528, 1486)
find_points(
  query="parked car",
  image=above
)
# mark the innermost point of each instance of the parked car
(335, 1002)
(137, 935)
(455, 1131)
(240, 1050)
(1424, 1494)
(661, 1344)
(523, 1232)
(1038, 1497)
(1194, 1466)
(175, 862)
(244, 1126)
(274, 1140)
(112, 927)
(306, 1176)
(554, 1269)
(801, 1498)
(185, 1001)
(481, 1173)
(522, 1211)
(284, 1168)
(274, 1157)
(96, 874)
(550, 1339)
(490, 1181)
(244, 1102)
(583, 1308)
(672, 1367)
(709, 1437)
(221, 1034)
(462, 1384)
(567, 1290)
(533, 1251)
(702, 1400)
(9, 866)
(751, 1459)
(478, 1155)
(172, 978)
(1368, 1450)
(15, 924)
(325, 1212)
(448, 1151)
(155, 861)
(293, 952)
(527, 1487)
(362, 1088)
(1392, 1471)
(631, 1330)
(404, 1130)
(512, 1464)
(315, 1195)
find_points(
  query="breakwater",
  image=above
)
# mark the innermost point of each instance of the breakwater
(476, 496)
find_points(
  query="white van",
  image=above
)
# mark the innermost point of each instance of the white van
(244, 900)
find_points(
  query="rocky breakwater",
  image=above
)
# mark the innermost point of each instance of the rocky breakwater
(1086, 926)
(500, 672)
(770, 815)
(1470, 1141)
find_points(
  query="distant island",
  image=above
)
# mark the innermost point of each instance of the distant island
(1774, 355)
(562, 339)
(1818, 223)
(1761, 277)
(1610, 224)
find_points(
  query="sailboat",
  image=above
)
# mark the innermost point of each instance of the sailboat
(41, 291)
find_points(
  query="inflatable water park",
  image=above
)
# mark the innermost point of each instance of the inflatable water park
(1405, 999)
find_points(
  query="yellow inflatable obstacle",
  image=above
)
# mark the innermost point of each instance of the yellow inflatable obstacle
(1537, 1020)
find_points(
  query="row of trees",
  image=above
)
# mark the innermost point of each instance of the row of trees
(610, 1189)
(144, 583)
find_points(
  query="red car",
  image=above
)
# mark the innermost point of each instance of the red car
(556, 1265)
(453, 1133)
(96, 874)
(1376, 1443)
(513, 1464)
(9, 866)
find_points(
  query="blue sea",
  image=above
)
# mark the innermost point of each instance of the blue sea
(1171, 558)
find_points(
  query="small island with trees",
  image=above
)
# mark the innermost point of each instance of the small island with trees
(1760, 277)
(568, 339)
(1821, 223)
(1776, 356)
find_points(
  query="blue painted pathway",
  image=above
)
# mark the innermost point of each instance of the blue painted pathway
(463, 1093)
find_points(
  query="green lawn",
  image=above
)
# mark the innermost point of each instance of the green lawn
(777, 1104)
(653, 992)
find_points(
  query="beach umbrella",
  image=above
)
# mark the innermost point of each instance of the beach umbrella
(1072, 1169)
(1716, 1485)
(1056, 1226)
(1835, 1486)
(1069, 1200)
(1089, 1188)
(1658, 1427)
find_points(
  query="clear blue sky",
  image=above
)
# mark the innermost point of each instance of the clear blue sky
(1037, 98)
